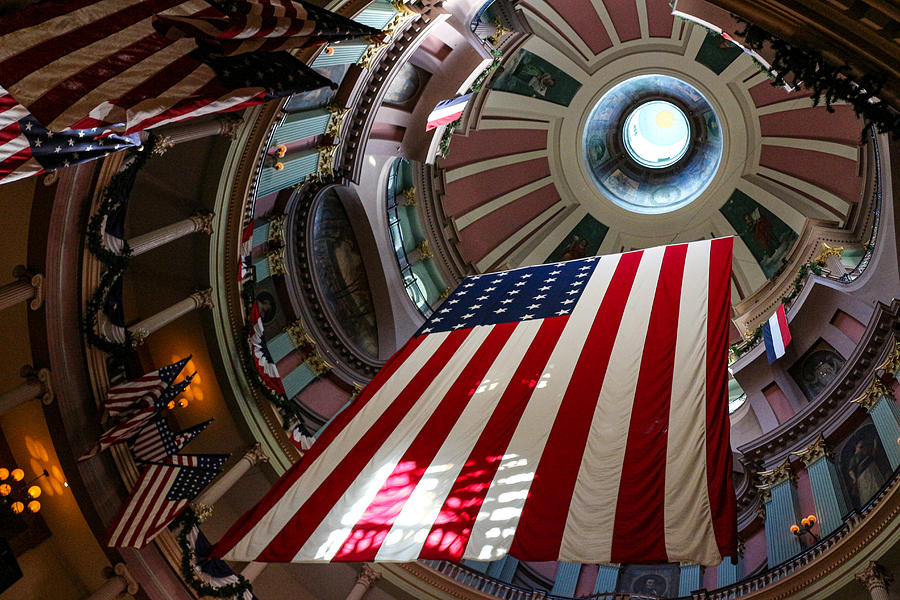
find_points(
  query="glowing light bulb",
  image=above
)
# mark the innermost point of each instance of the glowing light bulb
(5, 489)
(812, 519)
(4, 472)
(17, 507)
(34, 506)
(18, 474)
(34, 491)
(795, 529)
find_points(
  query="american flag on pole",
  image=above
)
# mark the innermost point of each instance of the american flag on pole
(122, 399)
(157, 440)
(574, 411)
(101, 63)
(27, 148)
(447, 111)
(145, 409)
(163, 490)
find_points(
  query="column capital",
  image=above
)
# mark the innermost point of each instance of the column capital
(202, 511)
(774, 476)
(42, 377)
(138, 336)
(818, 449)
(161, 144)
(317, 364)
(892, 363)
(255, 455)
(203, 298)
(36, 281)
(828, 251)
(131, 584)
(299, 336)
(368, 576)
(276, 229)
(276, 261)
(203, 222)
(875, 392)
(874, 576)
(230, 126)
(424, 250)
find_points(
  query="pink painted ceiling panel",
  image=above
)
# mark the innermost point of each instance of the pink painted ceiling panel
(659, 15)
(624, 16)
(487, 233)
(465, 194)
(840, 126)
(491, 143)
(582, 17)
(832, 173)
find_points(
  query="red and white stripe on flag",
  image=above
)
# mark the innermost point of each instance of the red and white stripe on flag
(100, 63)
(447, 111)
(597, 434)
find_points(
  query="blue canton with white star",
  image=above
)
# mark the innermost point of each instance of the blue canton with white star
(538, 292)
(190, 481)
(55, 150)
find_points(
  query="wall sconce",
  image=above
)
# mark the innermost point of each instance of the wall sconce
(807, 524)
(17, 494)
(280, 150)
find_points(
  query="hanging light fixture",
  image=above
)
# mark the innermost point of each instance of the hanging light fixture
(18, 495)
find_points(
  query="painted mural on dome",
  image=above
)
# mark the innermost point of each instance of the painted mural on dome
(816, 368)
(717, 53)
(320, 97)
(527, 74)
(767, 237)
(862, 465)
(584, 240)
(341, 274)
(406, 86)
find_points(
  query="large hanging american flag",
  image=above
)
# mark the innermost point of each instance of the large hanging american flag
(163, 490)
(101, 63)
(575, 411)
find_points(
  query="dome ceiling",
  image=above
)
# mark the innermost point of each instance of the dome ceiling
(519, 189)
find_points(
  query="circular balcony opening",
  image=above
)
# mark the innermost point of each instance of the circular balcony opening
(657, 134)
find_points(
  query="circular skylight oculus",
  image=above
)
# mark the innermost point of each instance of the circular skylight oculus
(652, 144)
(657, 134)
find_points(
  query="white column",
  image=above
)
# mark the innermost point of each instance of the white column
(365, 580)
(227, 479)
(28, 287)
(37, 385)
(118, 580)
(876, 580)
(169, 233)
(252, 570)
(166, 137)
(141, 330)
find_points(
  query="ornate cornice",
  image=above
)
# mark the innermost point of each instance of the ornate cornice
(815, 451)
(832, 407)
(299, 336)
(317, 364)
(891, 364)
(827, 251)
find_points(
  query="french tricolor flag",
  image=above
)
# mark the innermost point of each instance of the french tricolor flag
(776, 334)
(447, 111)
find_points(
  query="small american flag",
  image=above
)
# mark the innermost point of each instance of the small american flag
(27, 148)
(163, 490)
(122, 399)
(145, 409)
(157, 440)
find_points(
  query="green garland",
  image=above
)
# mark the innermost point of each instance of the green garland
(115, 263)
(477, 86)
(187, 521)
(743, 347)
(809, 69)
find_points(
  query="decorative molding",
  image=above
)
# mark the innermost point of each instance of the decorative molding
(202, 511)
(203, 298)
(276, 261)
(230, 126)
(815, 451)
(425, 252)
(255, 455)
(41, 376)
(275, 234)
(367, 576)
(203, 222)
